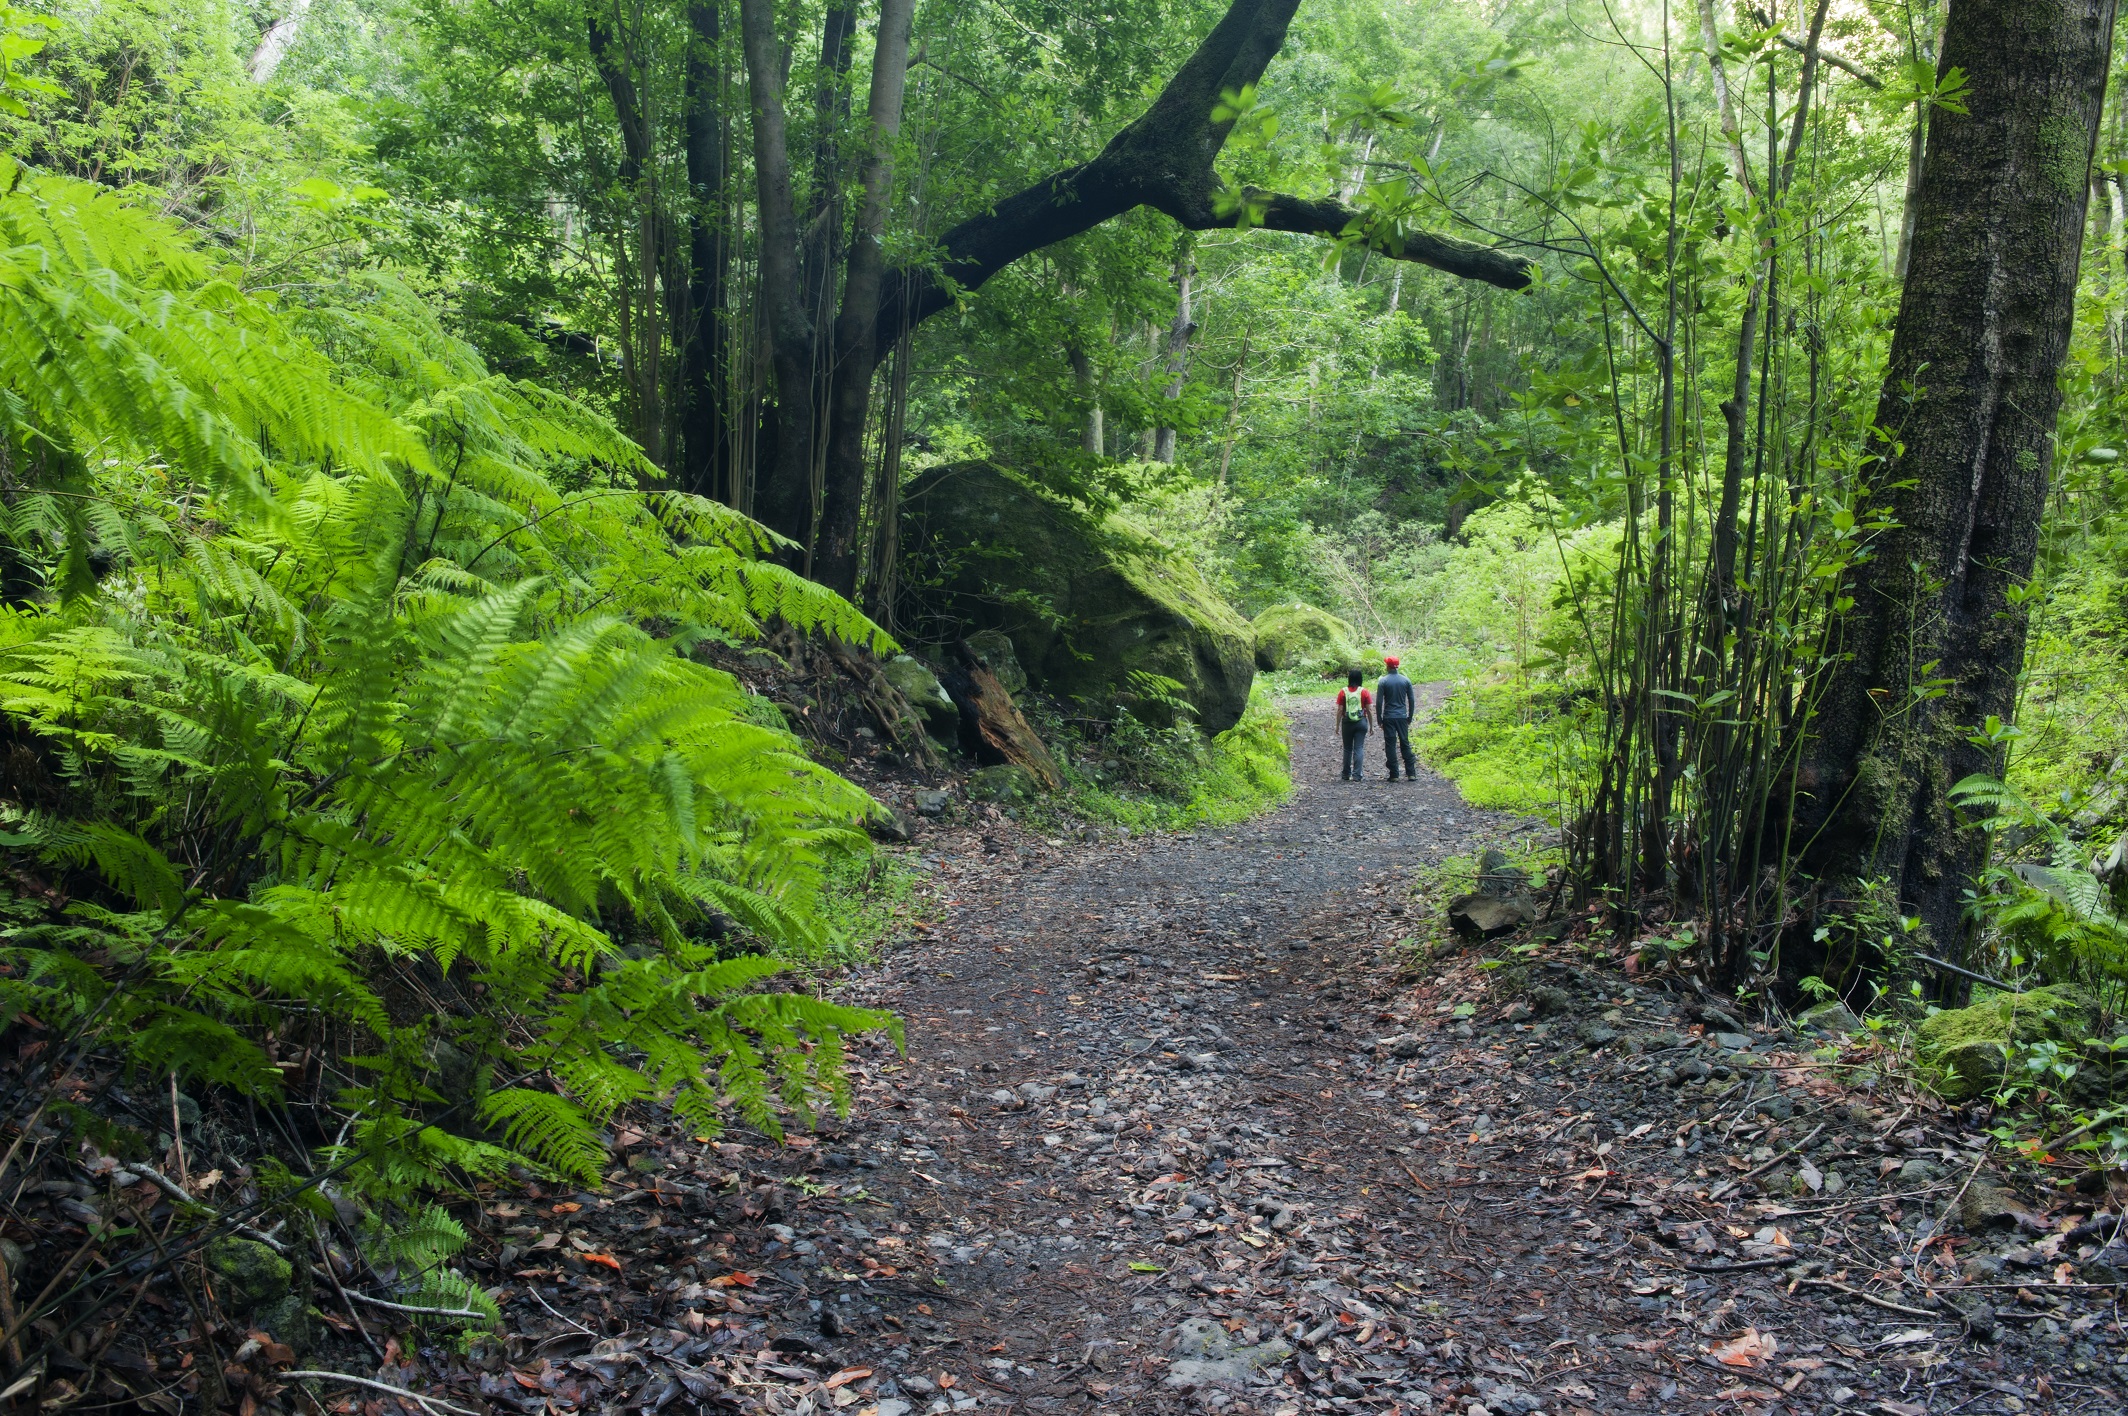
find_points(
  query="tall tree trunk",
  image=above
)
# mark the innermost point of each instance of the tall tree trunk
(831, 112)
(835, 558)
(821, 232)
(1093, 437)
(1935, 642)
(783, 490)
(705, 364)
(1710, 38)
(1226, 453)
(1178, 349)
(279, 38)
(643, 311)
(1921, 44)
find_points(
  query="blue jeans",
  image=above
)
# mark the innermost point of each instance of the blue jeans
(1355, 753)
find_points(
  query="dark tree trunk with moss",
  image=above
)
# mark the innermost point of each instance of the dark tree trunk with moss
(1936, 638)
(783, 495)
(705, 367)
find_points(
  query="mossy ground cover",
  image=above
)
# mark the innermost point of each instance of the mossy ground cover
(1149, 778)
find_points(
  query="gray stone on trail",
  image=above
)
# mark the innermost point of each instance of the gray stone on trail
(1206, 1354)
(1403, 1045)
(1734, 1041)
(931, 803)
(1547, 999)
(1919, 1172)
(893, 827)
(1985, 1206)
(1832, 1017)
(1718, 1018)
(1480, 916)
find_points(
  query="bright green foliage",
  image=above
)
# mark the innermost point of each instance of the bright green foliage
(1152, 778)
(1297, 636)
(420, 1246)
(1968, 1050)
(2046, 903)
(1509, 748)
(349, 690)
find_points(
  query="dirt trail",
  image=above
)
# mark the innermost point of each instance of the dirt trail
(1148, 1143)
(1180, 1128)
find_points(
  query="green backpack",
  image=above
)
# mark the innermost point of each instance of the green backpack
(1355, 706)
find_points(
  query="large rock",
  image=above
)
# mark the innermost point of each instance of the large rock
(1303, 637)
(1968, 1051)
(1087, 601)
(1481, 916)
(926, 695)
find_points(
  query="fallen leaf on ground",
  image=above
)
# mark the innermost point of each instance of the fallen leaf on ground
(1745, 1349)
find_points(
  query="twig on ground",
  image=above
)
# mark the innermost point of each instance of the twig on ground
(325, 1256)
(407, 1308)
(1869, 1298)
(1740, 1267)
(430, 1402)
(178, 1192)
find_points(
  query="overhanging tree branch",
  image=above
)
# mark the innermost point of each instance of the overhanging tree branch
(1164, 160)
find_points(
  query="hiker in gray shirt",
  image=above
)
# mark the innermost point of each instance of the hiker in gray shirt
(1395, 703)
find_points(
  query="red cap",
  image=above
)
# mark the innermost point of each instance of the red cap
(1391, 660)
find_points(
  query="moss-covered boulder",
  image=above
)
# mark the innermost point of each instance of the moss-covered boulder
(1087, 601)
(1967, 1051)
(1303, 637)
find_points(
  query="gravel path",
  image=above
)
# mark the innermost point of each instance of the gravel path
(1148, 1144)
(1181, 1127)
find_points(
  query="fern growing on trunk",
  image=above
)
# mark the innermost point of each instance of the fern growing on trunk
(349, 704)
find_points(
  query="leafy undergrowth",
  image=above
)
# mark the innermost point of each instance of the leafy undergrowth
(1148, 778)
(1508, 747)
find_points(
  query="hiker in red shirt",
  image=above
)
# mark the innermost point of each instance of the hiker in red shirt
(1355, 713)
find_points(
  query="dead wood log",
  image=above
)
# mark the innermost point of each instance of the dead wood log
(995, 719)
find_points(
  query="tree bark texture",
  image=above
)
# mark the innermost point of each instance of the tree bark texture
(835, 558)
(279, 38)
(1934, 643)
(783, 495)
(1178, 350)
(1163, 160)
(704, 373)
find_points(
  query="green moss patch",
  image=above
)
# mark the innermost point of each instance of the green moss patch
(1303, 637)
(1965, 1051)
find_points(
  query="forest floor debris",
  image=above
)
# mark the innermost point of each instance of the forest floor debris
(1183, 1125)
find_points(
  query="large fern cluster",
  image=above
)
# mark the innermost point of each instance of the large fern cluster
(345, 689)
